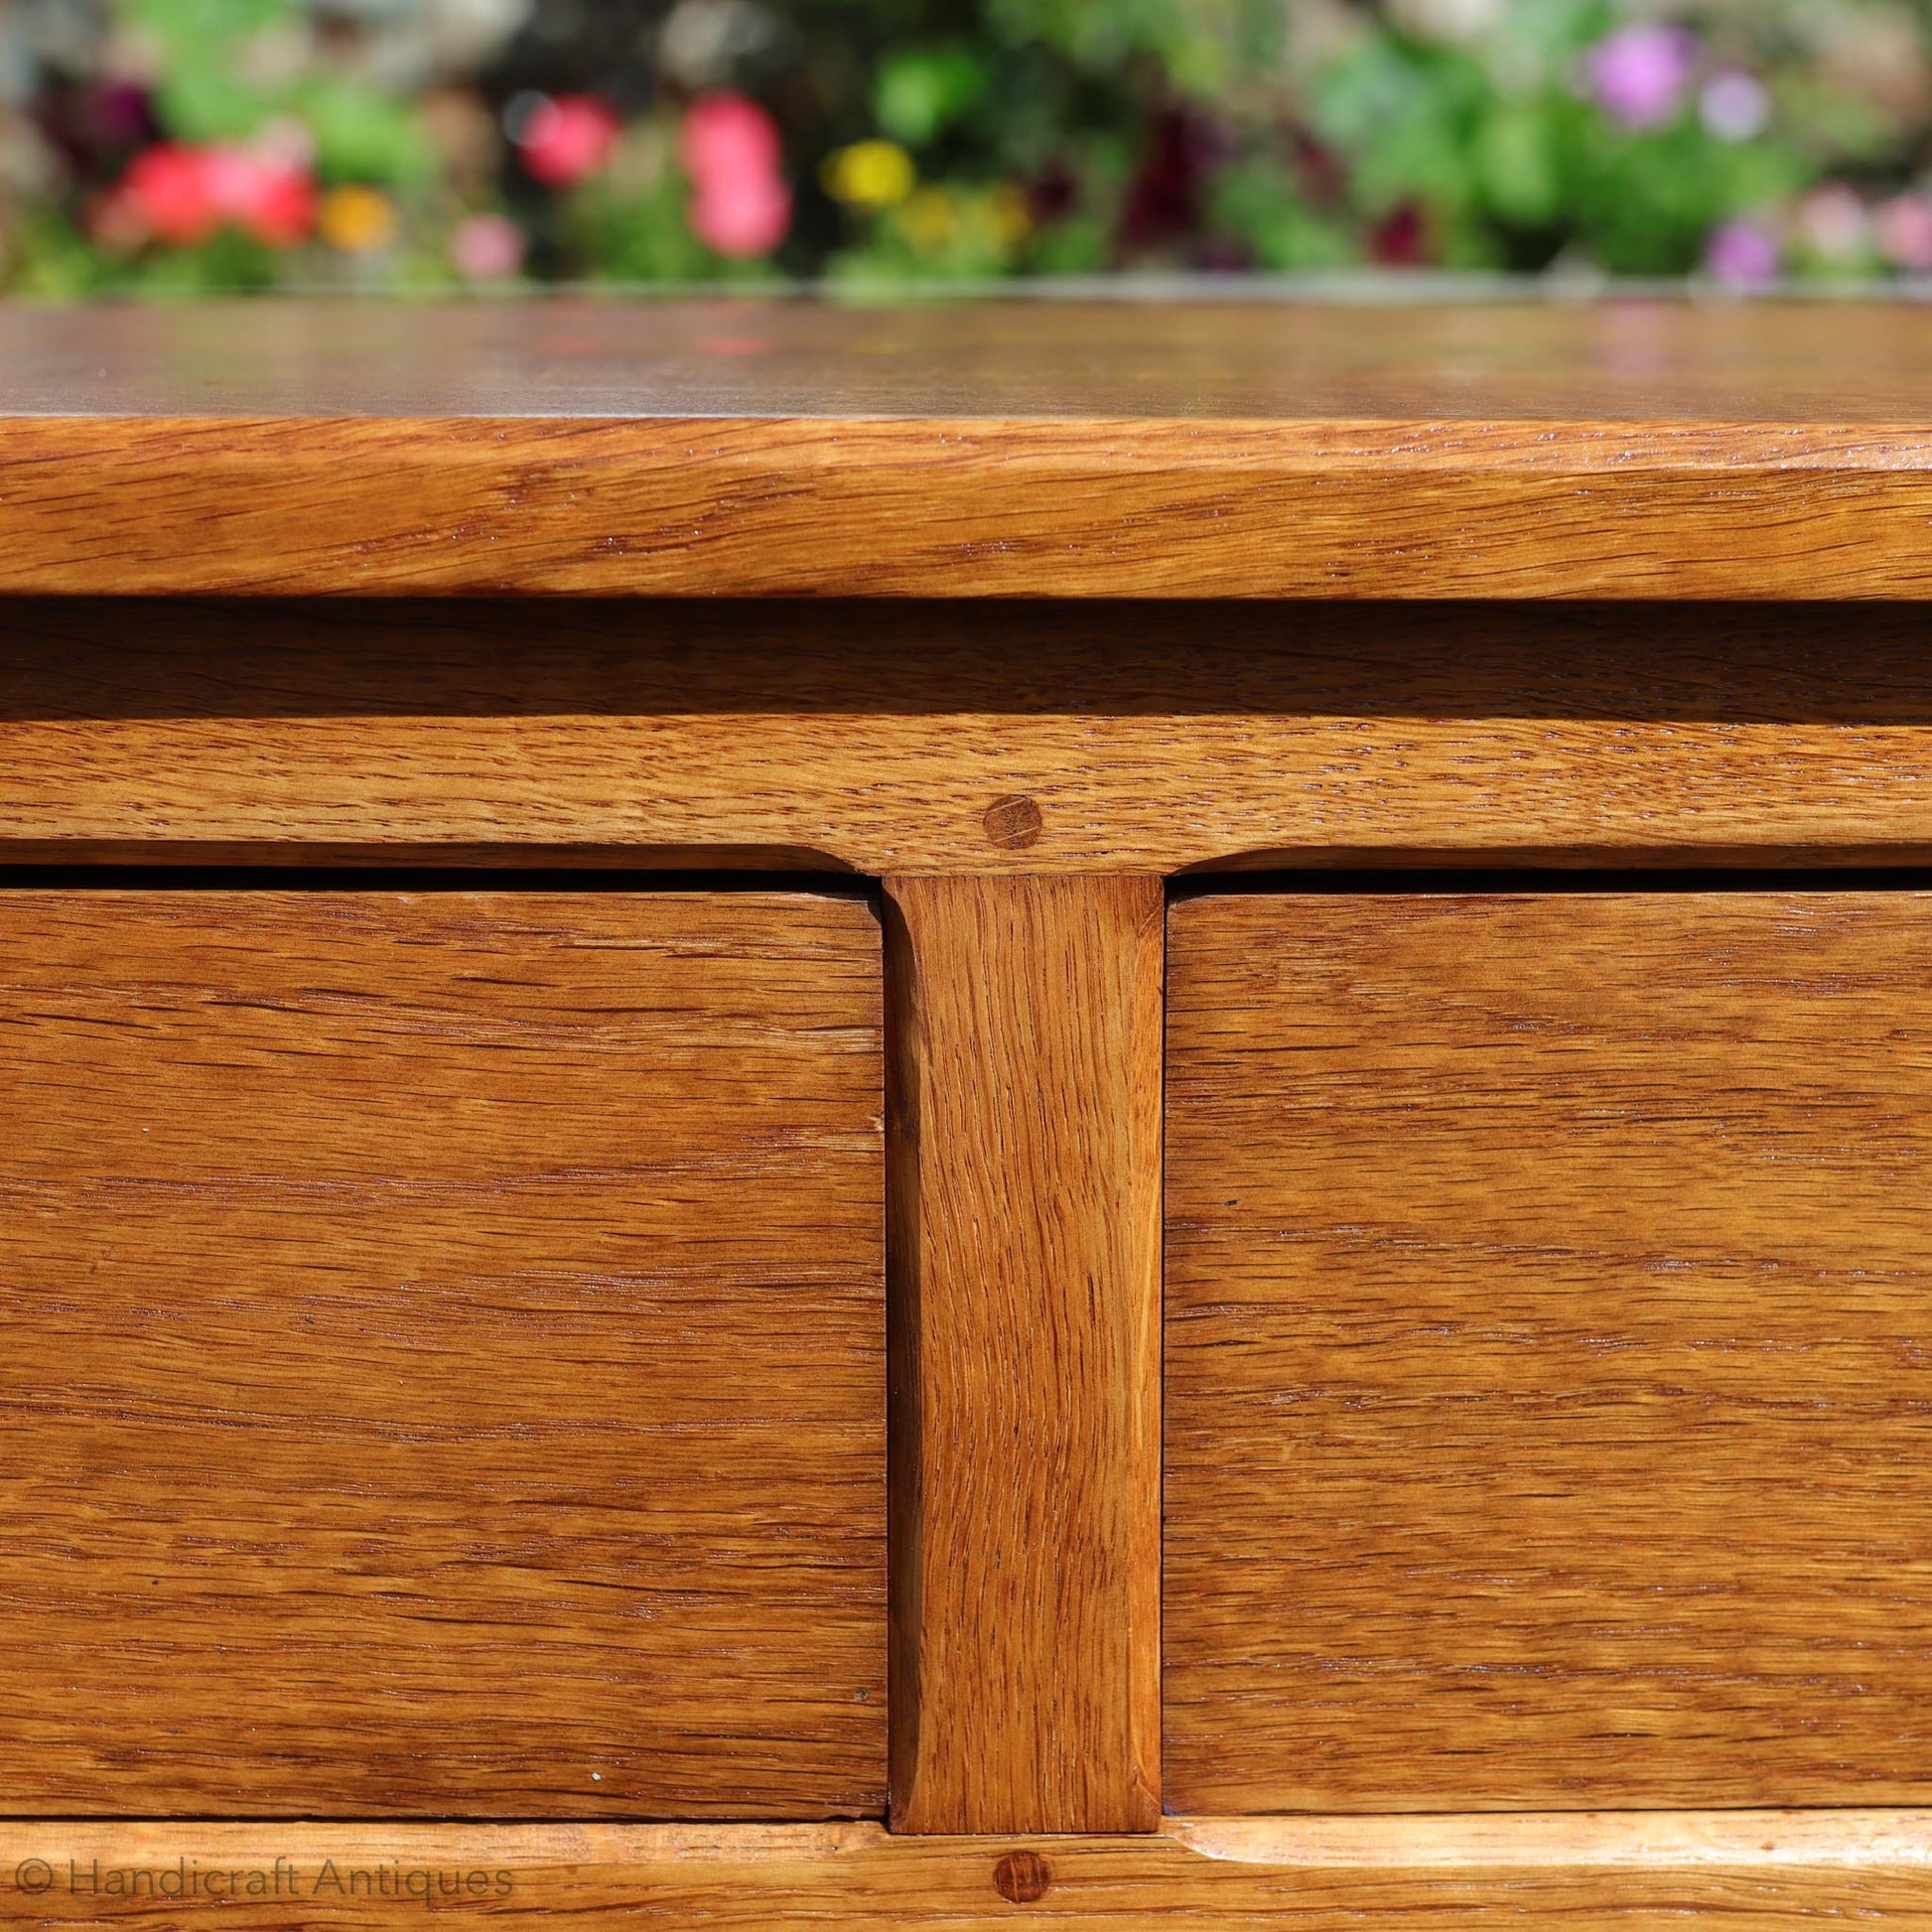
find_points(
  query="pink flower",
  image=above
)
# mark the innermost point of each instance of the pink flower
(1834, 223)
(748, 219)
(727, 133)
(182, 195)
(487, 247)
(1742, 256)
(730, 148)
(262, 194)
(568, 137)
(1639, 73)
(1903, 226)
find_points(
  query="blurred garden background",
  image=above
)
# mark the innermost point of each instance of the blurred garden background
(191, 145)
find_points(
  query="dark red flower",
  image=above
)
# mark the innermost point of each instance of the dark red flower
(1051, 193)
(1401, 238)
(1319, 169)
(1164, 198)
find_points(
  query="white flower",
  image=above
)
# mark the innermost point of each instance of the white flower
(1733, 106)
(1834, 223)
(704, 42)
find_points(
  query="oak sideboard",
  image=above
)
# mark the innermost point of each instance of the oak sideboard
(1091, 1113)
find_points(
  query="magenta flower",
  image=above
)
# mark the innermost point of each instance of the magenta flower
(1742, 256)
(1639, 75)
(730, 148)
(568, 137)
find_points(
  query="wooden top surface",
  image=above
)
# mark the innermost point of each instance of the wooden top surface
(1283, 366)
(1634, 448)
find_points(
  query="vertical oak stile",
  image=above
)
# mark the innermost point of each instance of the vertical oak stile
(1025, 1231)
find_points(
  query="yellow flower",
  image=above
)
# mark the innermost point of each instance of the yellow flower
(868, 174)
(928, 218)
(1012, 219)
(357, 221)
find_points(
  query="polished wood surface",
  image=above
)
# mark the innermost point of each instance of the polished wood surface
(1765, 1871)
(1859, 365)
(1025, 1218)
(1643, 448)
(1546, 1383)
(445, 1354)
(885, 737)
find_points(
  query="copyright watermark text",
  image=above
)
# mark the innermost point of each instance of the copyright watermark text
(190, 1880)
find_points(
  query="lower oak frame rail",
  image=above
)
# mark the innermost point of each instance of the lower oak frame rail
(1764, 1868)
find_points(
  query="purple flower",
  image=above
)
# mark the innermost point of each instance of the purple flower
(1639, 73)
(1742, 256)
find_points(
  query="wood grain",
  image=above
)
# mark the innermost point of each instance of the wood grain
(444, 1367)
(1766, 1871)
(880, 736)
(564, 359)
(1024, 1203)
(1546, 1380)
(1634, 449)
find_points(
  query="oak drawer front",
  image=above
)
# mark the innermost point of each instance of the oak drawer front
(443, 1366)
(1549, 1401)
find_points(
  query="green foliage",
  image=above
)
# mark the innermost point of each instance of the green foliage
(637, 234)
(1260, 203)
(922, 91)
(205, 93)
(1644, 204)
(53, 262)
(1516, 158)
(1201, 45)
(229, 261)
(361, 134)
(196, 31)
